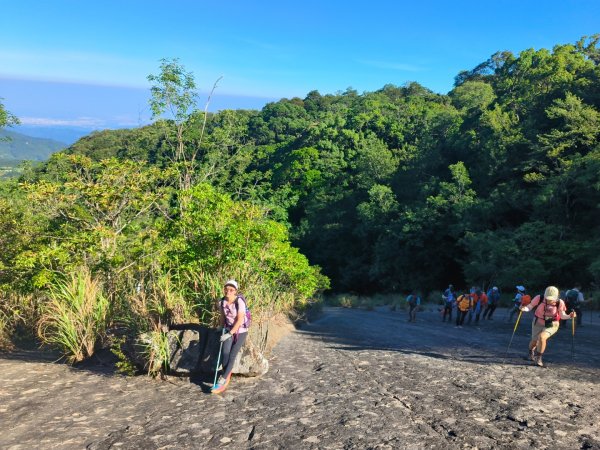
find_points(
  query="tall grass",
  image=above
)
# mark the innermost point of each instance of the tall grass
(18, 316)
(156, 350)
(168, 300)
(75, 317)
(5, 332)
(162, 299)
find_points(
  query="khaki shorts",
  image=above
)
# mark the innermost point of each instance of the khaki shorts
(537, 329)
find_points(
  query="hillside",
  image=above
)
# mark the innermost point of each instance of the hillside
(495, 184)
(21, 147)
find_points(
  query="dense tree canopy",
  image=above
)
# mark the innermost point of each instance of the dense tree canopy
(496, 182)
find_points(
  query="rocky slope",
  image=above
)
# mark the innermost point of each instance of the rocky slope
(352, 379)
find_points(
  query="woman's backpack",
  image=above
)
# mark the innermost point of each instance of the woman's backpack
(248, 318)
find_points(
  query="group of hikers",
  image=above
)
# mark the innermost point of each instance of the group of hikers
(550, 308)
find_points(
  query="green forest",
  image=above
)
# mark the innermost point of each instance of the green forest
(495, 183)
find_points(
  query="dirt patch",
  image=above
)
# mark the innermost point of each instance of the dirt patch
(353, 379)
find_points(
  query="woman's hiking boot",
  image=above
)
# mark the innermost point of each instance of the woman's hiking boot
(532, 354)
(221, 385)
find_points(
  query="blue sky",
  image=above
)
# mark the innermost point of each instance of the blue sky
(85, 63)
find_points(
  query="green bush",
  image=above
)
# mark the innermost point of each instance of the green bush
(75, 317)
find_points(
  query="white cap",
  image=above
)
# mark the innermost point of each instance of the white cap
(551, 293)
(232, 283)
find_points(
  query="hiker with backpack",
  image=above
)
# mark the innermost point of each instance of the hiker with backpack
(521, 299)
(548, 309)
(235, 320)
(574, 301)
(479, 302)
(449, 298)
(463, 305)
(413, 305)
(493, 296)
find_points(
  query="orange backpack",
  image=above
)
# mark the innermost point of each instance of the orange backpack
(525, 299)
(463, 303)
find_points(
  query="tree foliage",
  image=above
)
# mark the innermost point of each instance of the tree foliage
(496, 182)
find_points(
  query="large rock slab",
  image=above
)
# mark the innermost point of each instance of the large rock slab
(193, 350)
(208, 362)
(250, 362)
(338, 382)
(185, 358)
(199, 349)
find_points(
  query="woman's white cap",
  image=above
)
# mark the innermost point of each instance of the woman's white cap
(232, 283)
(551, 293)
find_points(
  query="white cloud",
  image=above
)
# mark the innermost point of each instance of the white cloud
(84, 122)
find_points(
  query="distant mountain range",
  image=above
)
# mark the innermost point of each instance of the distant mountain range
(20, 147)
(68, 135)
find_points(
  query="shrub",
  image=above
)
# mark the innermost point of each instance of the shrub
(5, 332)
(75, 317)
(18, 316)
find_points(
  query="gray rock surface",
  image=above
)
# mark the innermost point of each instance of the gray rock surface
(250, 362)
(351, 380)
(194, 350)
(186, 357)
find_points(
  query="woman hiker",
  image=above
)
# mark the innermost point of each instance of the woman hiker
(463, 305)
(232, 308)
(548, 310)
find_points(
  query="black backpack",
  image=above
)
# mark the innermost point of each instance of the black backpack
(572, 296)
(412, 300)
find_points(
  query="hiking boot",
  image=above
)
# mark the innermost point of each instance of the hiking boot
(221, 385)
(538, 361)
(218, 388)
(532, 354)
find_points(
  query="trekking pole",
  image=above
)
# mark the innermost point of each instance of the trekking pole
(513, 335)
(573, 338)
(218, 359)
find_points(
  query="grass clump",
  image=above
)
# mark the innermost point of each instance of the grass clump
(75, 317)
